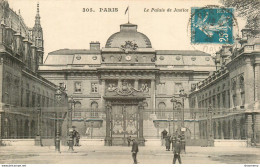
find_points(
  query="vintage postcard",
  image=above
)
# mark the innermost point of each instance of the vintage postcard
(129, 82)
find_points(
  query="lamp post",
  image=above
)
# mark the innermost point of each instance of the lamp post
(183, 129)
(183, 96)
(169, 124)
(92, 123)
(173, 100)
(61, 88)
(71, 103)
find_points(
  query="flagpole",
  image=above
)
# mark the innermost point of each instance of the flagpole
(128, 13)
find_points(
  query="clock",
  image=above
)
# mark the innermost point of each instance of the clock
(128, 58)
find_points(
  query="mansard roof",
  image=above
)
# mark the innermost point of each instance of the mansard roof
(182, 52)
(74, 51)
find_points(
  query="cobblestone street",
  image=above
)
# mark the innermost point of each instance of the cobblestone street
(122, 155)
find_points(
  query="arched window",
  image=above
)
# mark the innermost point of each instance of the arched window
(77, 111)
(242, 90)
(161, 107)
(94, 109)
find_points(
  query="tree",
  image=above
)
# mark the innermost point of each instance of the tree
(249, 9)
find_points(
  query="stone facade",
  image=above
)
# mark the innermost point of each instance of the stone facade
(127, 64)
(23, 93)
(232, 91)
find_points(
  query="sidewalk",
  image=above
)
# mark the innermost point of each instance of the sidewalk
(122, 155)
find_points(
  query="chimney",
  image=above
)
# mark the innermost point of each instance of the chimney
(94, 45)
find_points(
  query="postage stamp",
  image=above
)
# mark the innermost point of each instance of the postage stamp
(212, 25)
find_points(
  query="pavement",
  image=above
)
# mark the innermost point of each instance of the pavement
(122, 155)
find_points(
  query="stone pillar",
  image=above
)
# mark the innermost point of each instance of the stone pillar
(140, 122)
(152, 94)
(249, 131)
(238, 129)
(257, 128)
(249, 86)
(257, 85)
(136, 84)
(108, 139)
(217, 137)
(1, 93)
(29, 129)
(231, 129)
(103, 91)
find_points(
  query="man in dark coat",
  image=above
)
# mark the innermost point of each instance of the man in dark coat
(164, 135)
(134, 151)
(129, 139)
(168, 142)
(177, 151)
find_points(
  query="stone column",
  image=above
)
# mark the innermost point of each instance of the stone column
(29, 129)
(152, 94)
(103, 91)
(238, 129)
(249, 85)
(257, 85)
(257, 128)
(231, 129)
(108, 139)
(140, 122)
(249, 131)
(217, 137)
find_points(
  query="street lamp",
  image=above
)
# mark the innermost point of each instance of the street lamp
(60, 90)
(173, 100)
(183, 96)
(92, 124)
(169, 124)
(71, 103)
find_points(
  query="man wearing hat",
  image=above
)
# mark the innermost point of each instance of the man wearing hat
(134, 150)
(177, 151)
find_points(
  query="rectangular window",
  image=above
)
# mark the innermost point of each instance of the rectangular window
(177, 88)
(77, 87)
(94, 88)
(161, 88)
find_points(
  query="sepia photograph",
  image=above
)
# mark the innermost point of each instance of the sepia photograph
(129, 82)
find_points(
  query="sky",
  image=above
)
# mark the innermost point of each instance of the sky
(65, 25)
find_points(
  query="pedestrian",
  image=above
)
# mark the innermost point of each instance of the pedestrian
(134, 151)
(168, 142)
(163, 136)
(177, 152)
(77, 138)
(173, 140)
(183, 143)
(129, 139)
(74, 132)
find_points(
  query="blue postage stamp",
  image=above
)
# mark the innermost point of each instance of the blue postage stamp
(212, 25)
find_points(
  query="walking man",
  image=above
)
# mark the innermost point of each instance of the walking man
(177, 151)
(129, 139)
(134, 151)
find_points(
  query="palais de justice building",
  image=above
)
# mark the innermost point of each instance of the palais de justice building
(108, 83)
